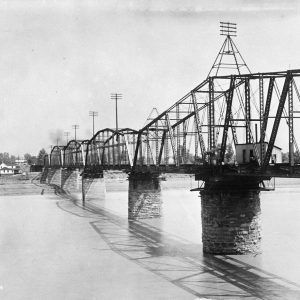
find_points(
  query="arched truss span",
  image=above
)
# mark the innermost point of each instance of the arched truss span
(56, 156)
(111, 149)
(74, 154)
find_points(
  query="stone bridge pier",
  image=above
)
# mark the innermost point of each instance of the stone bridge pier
(54, 176)
(71, 182)
(93, 186)
(144, 196)
(44, 175)
(231, 216)
(67, 179)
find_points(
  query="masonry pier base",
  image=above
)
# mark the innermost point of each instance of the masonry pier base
(231, 217)
(144, 196)
(54, 176)
(93, 188)
(71, 182)
(44, 175)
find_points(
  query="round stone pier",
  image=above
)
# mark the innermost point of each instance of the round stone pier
(231, 218)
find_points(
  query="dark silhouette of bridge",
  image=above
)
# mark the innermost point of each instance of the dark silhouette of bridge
(193, 135)
(229, 131)
(196, 133)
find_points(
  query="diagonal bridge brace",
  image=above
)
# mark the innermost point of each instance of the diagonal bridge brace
(277, 120)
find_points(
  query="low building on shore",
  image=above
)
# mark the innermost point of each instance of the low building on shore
(7, 169)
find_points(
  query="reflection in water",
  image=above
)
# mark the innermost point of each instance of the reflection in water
(169, 247)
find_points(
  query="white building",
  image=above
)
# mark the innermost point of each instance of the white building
(246, 152)
(21, 161)
(6, 169)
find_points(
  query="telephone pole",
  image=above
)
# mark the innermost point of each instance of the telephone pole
(116, 97)
(75, 127)
(93, 114)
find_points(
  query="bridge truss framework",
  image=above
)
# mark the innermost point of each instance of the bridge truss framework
(196, 132)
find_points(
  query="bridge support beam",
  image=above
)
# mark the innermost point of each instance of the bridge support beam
(144, 196)
(231, 217)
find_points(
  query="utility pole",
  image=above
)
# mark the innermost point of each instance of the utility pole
(93, 114)
(116, 97)
(75, 127)
(67, 133)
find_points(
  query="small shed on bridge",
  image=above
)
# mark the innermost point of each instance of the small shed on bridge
(246, 153)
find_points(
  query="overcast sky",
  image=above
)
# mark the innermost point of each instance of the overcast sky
(61, 59)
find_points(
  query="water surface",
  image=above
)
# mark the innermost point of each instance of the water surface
(174, 240)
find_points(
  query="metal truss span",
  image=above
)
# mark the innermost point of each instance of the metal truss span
(111, 149)
(70, 156)
(210, 125)
(232, 121)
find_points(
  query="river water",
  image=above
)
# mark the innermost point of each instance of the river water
(171, 247)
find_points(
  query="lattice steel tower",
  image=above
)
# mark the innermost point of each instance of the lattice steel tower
(229, 58)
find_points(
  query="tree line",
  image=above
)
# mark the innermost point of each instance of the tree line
(8, 159)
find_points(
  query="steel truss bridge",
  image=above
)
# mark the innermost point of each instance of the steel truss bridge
(230, 125)
(233, 131)
(198, 132)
